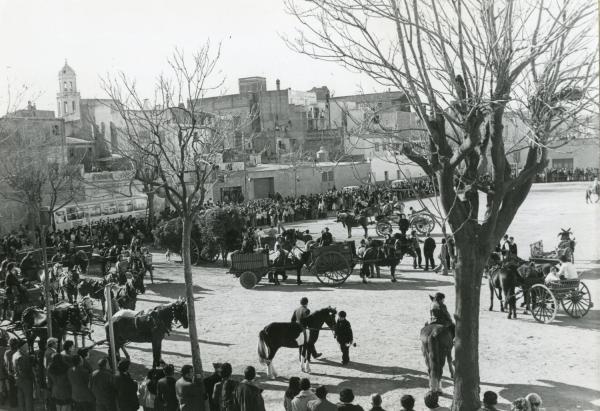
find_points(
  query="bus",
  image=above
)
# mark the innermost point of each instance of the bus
(80, 214)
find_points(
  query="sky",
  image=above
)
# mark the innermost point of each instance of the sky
(137, 36)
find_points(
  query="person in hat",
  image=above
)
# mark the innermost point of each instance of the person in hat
(127, 399)
(346, 398)
(344, 337)
(431, 402)
(24, 378)
(490, 400)
(326, 237)
(188, 390)
(102, 385)
(321, 403)
(439, 312)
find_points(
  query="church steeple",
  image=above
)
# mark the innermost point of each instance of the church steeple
(68, 97)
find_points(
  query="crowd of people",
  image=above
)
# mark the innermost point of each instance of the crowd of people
(554, 174)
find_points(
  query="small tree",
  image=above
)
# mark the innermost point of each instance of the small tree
(462, 65)
(174, 137)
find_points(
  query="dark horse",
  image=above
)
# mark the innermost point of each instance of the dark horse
(147, 326)
(93, 288)
(379, 254)
(436, 345)
(76, 318)
(292, 335)
(349, 220)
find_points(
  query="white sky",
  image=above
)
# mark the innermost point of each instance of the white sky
(136, 36)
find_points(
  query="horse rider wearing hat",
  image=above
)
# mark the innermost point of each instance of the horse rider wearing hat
(299, 316)
(439, 312)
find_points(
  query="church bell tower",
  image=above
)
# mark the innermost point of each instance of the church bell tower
(68, 97)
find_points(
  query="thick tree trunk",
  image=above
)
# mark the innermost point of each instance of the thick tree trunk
(189, 295)
(469, 269)
(150, 206)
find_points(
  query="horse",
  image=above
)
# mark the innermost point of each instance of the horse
(505, 278)
(90, 287)
(53, 276)
(147, 326)
(436, 345)
(349, 220)
(380, 255)
(125, 296)
(67, 283)
(65, 317)
(293, 335)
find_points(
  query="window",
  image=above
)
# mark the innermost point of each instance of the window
(324, 177)
(386, 175)
(66, 106)
(71, 85)
(562, 163)
(376, 146)
(65, 86)
(73, 104)
(330, 175)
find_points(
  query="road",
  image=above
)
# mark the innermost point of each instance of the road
(559, 361)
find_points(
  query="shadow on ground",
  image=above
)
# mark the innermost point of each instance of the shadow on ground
(174, 290)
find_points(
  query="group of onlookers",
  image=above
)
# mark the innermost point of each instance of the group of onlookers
(554, 174)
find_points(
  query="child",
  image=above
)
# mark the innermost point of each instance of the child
(344, 337)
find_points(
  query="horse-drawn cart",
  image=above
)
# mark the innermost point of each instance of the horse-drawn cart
(573, 295)
(332, 265)
(422, 222)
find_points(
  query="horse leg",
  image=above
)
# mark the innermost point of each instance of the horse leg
(156, 352)
(491, 293)
(450, 363)
(124, 351)
(366, 231)
(349, 231)
(309, 349)
(393, 272)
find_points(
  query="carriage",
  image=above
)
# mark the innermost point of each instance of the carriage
(332, 265)
(33, 296)
(422, 222)
(573, 295)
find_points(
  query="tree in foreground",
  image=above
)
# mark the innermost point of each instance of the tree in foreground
(465, 66)
(173, 137)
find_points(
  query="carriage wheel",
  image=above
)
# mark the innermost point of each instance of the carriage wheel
(422, 224)
(331, 268)
(383, 228)
(543, 304)
(248, 280)
(577, 302)
(194, 252)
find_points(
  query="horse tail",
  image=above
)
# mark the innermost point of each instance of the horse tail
(263, 348)
(436, 357)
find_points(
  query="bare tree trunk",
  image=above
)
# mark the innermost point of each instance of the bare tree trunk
(469, 269)
(150, 205)
(189, 295)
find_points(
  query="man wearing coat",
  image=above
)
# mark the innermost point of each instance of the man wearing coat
(248, 396)
(166, 396)
(344, 337)
(428, 249)
(102, 385)
(189, 390)
(126, 388)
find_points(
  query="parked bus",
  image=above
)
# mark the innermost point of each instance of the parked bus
(75, 215)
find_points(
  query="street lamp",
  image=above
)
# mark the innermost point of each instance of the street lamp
(45, 222)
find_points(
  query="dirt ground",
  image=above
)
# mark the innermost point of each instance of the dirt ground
(559, 361)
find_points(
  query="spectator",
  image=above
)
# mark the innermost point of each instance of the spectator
(300, 401)
(321, 403)
(3, 371)
(79, 378)
(535, 401)
(51, 349)
(188, 390)
(407, 402)
(418, 260)
(431, 402)
(127, 399)
(344, 336)
(145, 397)
(68, 352)
(224, 391)
(166, 397)
(209, 385)
(346, 398)
(13, 345)
(291, 392)
(376, 403)
(248, 395)
(102, 385)
(58, 382)
(443, 256)
(428, 249)
(490, 399)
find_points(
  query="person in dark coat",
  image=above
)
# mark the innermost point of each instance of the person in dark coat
(189, 390)
(102, 385)
(428, 249)
(344, 337)
(439, 312)
(346, 398)
(248, 396)
(166, 396)
(79, 378)
(127, 399)
(24, 378)
(58, 382)
(403, 224)
(209, 385)
(326, 237)
(224, 391)
(415, 242)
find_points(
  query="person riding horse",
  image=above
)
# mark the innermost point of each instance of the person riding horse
(299, 316)
(439, 312)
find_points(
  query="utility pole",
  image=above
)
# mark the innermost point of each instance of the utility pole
(45, 222)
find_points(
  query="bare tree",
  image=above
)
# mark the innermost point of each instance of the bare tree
(462, 65)
(179, 142)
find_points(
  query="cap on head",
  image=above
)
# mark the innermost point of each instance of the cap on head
(346, 395)
(342, 314)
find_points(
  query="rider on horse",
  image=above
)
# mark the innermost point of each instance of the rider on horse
(299, 316)
(439, 312)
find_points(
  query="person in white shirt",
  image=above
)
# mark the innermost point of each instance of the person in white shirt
(567, 269)
(552, 276)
